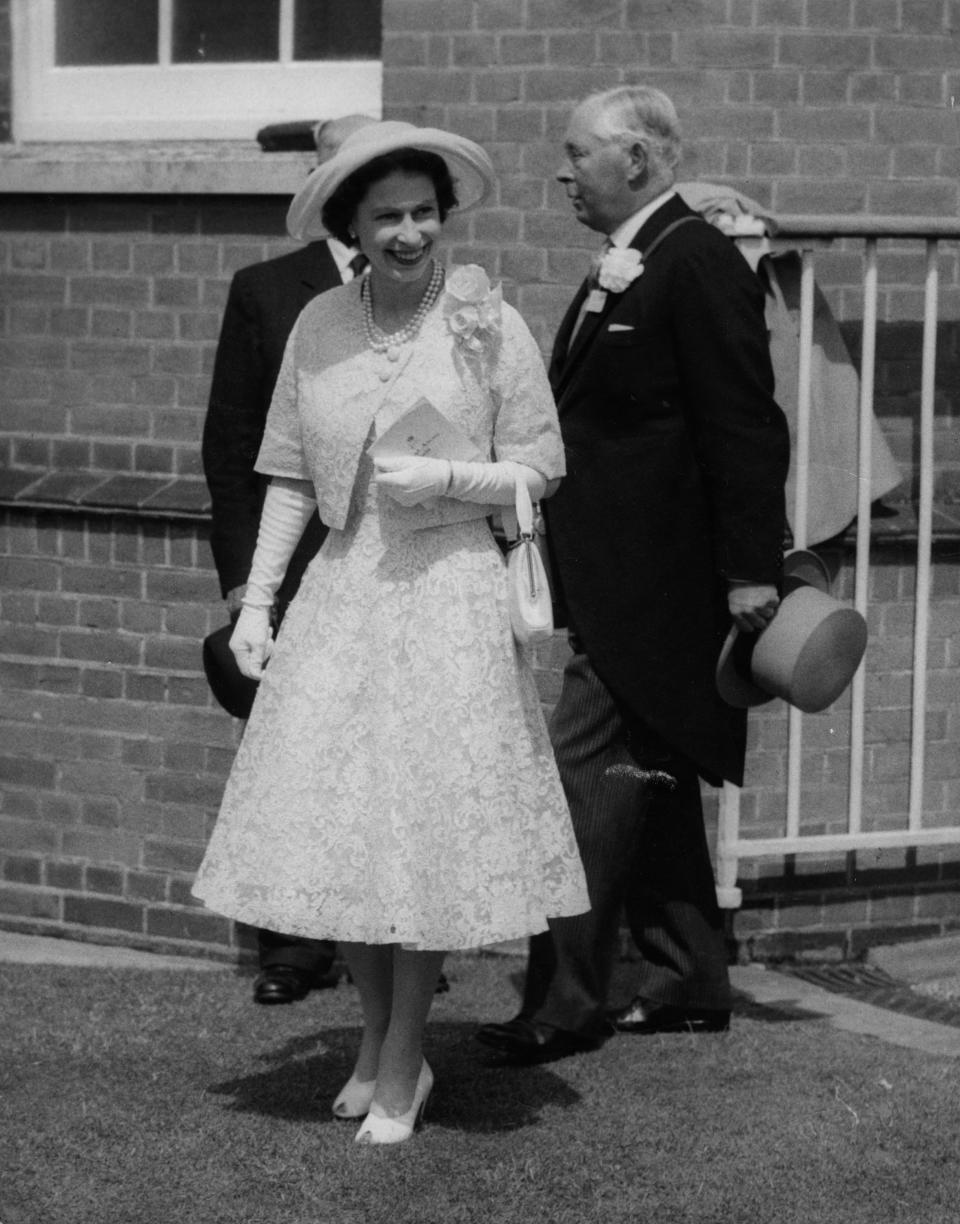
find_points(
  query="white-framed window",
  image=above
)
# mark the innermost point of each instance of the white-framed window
(189, 69)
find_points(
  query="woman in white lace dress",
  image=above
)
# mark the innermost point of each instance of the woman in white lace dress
(395, 789)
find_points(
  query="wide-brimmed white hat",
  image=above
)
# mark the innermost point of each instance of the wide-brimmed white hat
(807, 654)
(469, 166)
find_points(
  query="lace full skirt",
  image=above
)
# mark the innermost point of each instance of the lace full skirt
(395, 782)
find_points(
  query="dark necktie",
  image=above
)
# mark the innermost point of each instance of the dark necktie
(358, 264)
(593, 282)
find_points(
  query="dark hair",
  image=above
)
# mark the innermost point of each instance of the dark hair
(339, 210)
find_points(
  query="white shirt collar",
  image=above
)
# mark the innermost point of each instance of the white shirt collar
(341, 256)
(627, 230)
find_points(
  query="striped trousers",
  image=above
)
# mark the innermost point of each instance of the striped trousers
(645, 856)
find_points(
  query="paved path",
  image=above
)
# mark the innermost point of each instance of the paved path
(42, 950)
(772, 989)
(931, 961)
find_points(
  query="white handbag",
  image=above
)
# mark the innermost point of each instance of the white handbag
(528, 590)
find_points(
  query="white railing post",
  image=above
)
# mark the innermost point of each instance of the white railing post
(804, 399)
(801, 504)
(924, 539)
(868, 358)
(165, 48)
(286, 31)
(729, 895)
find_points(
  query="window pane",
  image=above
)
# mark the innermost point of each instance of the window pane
(337, 29)
(223, 31)
(100, 32)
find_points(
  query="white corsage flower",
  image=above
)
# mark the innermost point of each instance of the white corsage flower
(472, 308)
(619, 268)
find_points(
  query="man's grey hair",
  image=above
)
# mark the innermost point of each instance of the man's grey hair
(640, 114)
(332, 132)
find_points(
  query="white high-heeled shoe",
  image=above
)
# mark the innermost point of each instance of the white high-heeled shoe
(377, 1128)
(354, 1098)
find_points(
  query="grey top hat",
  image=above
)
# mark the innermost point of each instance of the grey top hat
(807, 654)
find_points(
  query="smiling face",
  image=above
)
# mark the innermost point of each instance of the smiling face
(398, 224)
(599, 175)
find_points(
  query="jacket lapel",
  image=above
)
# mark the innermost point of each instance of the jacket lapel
(566, 362)
(320, 273)
(588, 329)
(561, 344)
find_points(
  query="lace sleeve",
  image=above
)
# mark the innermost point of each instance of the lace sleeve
(526, 428)
(281, 451)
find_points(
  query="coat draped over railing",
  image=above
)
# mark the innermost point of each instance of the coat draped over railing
(809, 236)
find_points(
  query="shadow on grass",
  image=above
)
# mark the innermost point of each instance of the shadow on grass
(306, 1073)
(784, 1011)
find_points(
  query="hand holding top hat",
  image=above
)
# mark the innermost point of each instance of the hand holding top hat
(232, 689)
(807, 654)
(234, 657)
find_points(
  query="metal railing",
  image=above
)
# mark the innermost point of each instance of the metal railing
(809, 235)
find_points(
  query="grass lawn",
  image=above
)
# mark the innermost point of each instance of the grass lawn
(154, 1097)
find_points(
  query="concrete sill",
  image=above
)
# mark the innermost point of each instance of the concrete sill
(187, 497)
(132, 168)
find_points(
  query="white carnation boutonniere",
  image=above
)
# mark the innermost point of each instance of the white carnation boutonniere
(619, 268)
(472, 308)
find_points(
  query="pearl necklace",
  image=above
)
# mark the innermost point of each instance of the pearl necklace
(390, 343)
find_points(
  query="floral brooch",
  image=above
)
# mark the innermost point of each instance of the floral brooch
(472, 308)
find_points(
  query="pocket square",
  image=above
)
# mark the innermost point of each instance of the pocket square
(621, 327)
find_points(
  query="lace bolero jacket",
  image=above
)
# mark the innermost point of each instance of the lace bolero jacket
(334, 395)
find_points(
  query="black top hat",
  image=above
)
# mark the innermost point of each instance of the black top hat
(234, 691)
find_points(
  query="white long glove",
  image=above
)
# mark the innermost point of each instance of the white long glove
(286, 512)
(411, 480)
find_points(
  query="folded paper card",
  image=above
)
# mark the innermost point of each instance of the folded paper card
(425, 432)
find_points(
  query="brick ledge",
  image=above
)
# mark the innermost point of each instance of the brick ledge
(92, 493)
(168, 497)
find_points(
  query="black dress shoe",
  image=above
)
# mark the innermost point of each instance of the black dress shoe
(282, 984)
(528, 1041)
(644, 1018)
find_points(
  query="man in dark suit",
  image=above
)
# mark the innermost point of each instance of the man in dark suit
(668, 525)
(262, 307)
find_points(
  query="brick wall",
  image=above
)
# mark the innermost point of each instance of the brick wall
(821, 106)
(887, 721)
(809, 105)
(112, 310)
(846, 902)
(112, 753)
